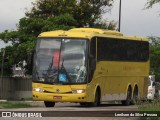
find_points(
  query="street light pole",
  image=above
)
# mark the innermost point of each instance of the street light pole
(119, 28)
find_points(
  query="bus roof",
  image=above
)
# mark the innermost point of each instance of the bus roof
(89, 33)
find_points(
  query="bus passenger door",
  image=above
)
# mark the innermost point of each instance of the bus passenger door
(91, 69)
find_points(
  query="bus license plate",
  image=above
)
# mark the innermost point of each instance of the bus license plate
(57, 97)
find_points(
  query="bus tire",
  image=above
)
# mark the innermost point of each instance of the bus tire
(83, 104)
(49, 104)
(135, 97)
(128, 99)
(96, 99)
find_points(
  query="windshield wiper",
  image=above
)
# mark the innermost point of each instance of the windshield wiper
(49, 68)
(63, 70)
(50, 65)
(50, 74)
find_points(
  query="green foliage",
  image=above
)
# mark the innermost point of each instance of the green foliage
(9, 36)
(9, 104)
(150, 3)
(86, 12)
(150, 107)
(155, 56)
(48, 15)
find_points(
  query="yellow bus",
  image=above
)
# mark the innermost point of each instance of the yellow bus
(90, 66)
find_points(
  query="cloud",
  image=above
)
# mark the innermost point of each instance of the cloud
(136, 20)
(11, 11)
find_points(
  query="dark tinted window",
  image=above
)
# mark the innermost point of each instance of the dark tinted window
(92, 61)
(93, 47)
(113, 49)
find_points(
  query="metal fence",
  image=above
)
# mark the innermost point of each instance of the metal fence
(15, 88)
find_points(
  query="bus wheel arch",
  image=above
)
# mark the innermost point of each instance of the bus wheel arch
(128, 97)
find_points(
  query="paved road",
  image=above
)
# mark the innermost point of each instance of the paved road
(72, 111)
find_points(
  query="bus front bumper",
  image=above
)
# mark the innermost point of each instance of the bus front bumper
(54, 97)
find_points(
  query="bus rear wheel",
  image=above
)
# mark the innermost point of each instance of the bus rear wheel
(128, 99)
(49, 104)
(135, 98)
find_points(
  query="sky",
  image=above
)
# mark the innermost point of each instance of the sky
(10, 13)
(135, 20)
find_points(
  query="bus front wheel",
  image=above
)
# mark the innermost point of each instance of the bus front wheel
(97, 99)
(49, 104)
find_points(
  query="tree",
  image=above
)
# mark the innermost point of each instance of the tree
(23, 40)
(86, 12)
(150, 3)
(47, 15)
(155, 56)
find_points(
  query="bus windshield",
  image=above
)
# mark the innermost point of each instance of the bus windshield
(61, 61)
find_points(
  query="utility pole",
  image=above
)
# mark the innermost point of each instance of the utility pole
(119, 28)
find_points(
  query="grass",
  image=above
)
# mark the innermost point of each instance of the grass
(15, 105)
(149, 107)
(26, 99)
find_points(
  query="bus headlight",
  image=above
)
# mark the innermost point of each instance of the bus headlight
(78, 91)
(38, 90)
